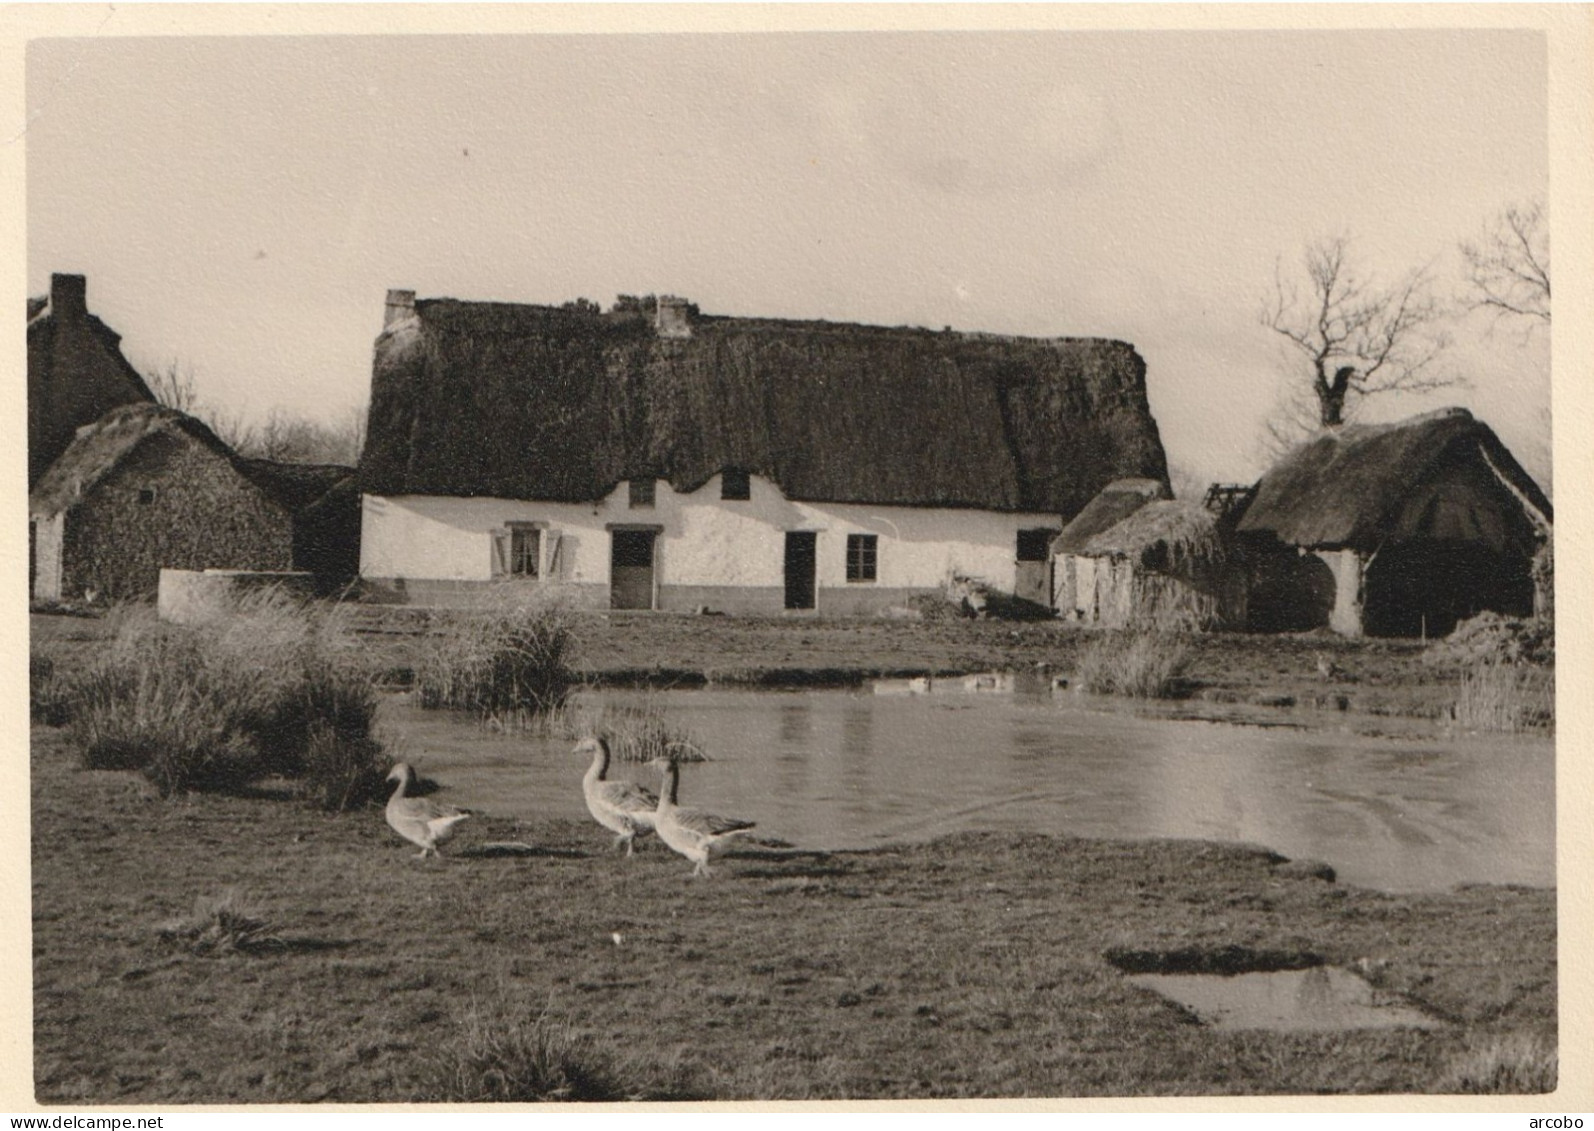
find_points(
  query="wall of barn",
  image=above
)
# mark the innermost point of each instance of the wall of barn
(728, 555)
(173, 502)
(47, 532)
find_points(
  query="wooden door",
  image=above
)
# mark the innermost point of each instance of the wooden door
(801, 560)
(631, 570)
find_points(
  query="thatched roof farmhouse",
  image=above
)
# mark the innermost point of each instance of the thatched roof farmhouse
(567, 405)
(1413, 526)
(76, 371)
(146, 488)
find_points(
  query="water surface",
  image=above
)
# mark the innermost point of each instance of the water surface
(837, 769)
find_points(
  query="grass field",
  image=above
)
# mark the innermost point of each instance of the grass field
(970, 966)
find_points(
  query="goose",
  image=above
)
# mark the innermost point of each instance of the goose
(420, 820)
(620, 806)
(696, 835)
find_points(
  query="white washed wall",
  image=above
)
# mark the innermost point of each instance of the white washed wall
(705, 540)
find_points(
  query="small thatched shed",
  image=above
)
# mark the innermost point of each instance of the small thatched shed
(1073, 585)
(1166, 565)
(76, 371)
(1395, 529)
(146, 488)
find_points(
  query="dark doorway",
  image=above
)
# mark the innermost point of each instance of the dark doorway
(1425, 588)
(631, 570)
(800, 560)
(1032, 577)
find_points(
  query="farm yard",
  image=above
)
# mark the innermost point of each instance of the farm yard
(532, 962)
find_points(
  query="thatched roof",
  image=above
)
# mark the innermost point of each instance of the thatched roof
(563, 403)
(1117, 501)
(295, 485)
(1443, 476)
(1186, 529)
(99, 448)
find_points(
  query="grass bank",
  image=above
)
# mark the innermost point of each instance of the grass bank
(972, 966)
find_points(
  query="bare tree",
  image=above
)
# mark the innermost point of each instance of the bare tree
(173, 386)
(1356, 336)
(1508, 270)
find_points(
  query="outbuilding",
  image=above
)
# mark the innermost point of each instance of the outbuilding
(142, 488)
(1398, 529)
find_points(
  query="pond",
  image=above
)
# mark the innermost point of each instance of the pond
(855, 769)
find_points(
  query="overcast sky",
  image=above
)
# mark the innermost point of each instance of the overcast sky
(242, 205)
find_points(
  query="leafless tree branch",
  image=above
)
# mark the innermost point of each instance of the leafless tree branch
(1508, 269)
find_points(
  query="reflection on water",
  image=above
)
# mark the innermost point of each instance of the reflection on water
(1323, 997)
(838, 770)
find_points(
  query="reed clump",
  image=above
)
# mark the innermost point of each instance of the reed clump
(267, 687)
(1502, 698)
(635, 732)
(1138, 663)
(508, 662)
(1518, 1063)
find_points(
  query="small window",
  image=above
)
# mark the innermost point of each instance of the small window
(525, 547)
(641, 493)
(861, 554)
(1033, 544)
(146, 496)
(736, 485)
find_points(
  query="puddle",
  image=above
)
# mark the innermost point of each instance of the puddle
(1321, 997)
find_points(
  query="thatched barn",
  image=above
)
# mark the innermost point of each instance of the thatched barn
(1396, 529)
(146, 488)
(324, 500)
(76, 371)
(1167, 565)
(1073, 580)
(652, 456)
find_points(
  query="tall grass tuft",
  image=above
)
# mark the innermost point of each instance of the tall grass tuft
(48, 698)
(508, 662)
(1501, 697)
(222, 924)
(268, 688)
(497, 1058)
(1503, 1064)
(636, 732)
(1141, 663)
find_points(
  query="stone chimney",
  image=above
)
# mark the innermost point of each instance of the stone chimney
(69, 296)
(400, 305)
(674, 319)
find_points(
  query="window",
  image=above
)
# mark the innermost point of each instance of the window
(1033, 544)
(861, 552)
(641, 493)
(146, 495)
(735, 485)
(525, 546)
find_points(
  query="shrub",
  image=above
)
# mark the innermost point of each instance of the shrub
(343, 772)
(508, 662)
(216, 705)
(1508, 1064)
(1142, 664)
(501, 1059)
(1501, 697)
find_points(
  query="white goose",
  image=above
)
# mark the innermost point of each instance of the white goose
(696, 835)
(620, 806)
(420, 820)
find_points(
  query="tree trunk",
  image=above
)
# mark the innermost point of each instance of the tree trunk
(1331, 395)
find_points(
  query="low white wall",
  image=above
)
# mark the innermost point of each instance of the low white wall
(190, 596)
(705, 540)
